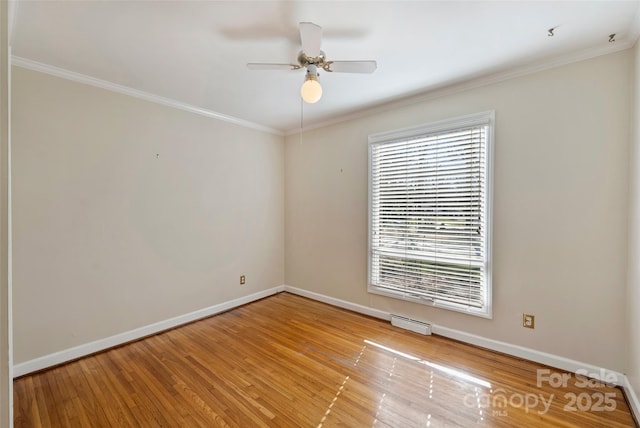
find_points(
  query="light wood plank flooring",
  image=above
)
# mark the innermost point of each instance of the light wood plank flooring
(287, 361)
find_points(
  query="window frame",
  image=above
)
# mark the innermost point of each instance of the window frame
(482, 118)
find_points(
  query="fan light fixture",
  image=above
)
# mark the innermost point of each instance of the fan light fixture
(312, 59)
(311, 90)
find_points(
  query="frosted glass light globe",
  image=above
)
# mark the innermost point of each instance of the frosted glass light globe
(311, 91)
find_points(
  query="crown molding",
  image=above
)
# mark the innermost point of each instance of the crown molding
(467, 84)
(634, 29)
(439, 91)
(114, 87)
(12, 10)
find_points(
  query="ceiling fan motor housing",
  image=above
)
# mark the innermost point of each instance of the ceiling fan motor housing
(319, 61)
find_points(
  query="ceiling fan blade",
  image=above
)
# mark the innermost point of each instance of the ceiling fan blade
(267, 66)
(311, 37)
(352, 66)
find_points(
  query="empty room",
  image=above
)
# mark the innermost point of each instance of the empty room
(319, 213)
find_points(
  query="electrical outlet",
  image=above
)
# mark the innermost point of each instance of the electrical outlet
(528, 321)
(242, 280)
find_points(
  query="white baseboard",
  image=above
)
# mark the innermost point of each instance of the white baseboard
(563, 363)
(376, 313)
(559, 362)
(566, 364)
(632, 397)
(76, 352)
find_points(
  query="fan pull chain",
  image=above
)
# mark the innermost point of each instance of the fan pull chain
(301, 117)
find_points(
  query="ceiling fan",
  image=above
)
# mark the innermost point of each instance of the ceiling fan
(311, 58)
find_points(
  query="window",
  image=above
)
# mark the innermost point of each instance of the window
(430, 213)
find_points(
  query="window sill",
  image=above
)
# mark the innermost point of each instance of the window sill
(482, 313)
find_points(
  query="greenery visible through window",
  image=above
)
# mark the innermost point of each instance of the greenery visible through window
(429, 208)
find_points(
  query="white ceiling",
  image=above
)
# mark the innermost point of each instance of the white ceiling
(195, 52)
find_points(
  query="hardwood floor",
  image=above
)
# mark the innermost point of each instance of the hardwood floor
(287, 361)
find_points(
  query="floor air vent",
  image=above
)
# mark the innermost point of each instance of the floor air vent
(412, 325)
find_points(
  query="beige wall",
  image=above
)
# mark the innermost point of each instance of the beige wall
(633, 299)
(6, 384)
(560, 208)
(109, 237)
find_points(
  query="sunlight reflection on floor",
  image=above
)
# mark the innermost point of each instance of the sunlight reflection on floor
(335, 398)
(447, 370)
(406, 386)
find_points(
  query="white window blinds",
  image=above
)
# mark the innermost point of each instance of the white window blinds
(429, 214)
